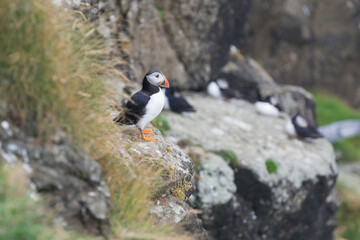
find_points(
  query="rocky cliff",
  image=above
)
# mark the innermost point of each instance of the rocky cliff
(235, 170)
(244, 198)
(309, 43)
(189, 40)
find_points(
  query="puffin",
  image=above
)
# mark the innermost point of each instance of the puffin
(269, 106)
(220, 89)
(145, 104)
(176, 102)
(299, 126)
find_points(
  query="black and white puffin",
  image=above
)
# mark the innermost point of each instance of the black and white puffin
(176, 102)
(220, 89)
(269, 106)
(299, 126)
(146, 104)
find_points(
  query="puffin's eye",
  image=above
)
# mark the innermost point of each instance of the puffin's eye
(157, 76)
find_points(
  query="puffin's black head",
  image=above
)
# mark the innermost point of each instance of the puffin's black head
(156, 78)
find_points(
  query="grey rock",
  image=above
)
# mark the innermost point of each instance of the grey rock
(171, 210)
(215, 186)
(292, 202)
(157, 152)
(70, 179)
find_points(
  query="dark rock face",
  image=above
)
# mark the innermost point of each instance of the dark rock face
(309, 43)
(188, 41)
(254, 214)
(70, 181)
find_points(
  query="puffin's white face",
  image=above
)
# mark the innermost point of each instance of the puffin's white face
(273, 100)
(222, 83)
(300, 121)
(157, 79)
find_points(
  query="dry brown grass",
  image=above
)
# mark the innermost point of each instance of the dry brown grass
(52, 71)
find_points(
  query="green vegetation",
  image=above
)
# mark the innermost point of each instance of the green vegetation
(17, 218)
(161, 123)
(52, 66)
(331, 109)
(229, 156)
(348, 215)
(197, 164)
(271, 165)
(180, 189)
(160, 12)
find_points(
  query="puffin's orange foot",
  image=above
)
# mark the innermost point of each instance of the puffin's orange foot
(148, 130)
(147, 138)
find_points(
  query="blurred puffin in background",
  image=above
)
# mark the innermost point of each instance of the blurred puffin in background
(269, 107)
(175, 102)
(298, 126)
(145, 104)
(220, 89)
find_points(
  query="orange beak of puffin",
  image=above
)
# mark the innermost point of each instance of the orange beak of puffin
(165, 83)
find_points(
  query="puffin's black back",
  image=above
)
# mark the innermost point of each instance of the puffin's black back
(229, 93)
(178, 104)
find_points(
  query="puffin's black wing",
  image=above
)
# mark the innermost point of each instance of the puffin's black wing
(135, 108)
(307, 132)
(179, 105)
(229, 93)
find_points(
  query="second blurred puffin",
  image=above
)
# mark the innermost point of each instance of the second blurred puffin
(220, 89)
(298, 126)
(176, 102)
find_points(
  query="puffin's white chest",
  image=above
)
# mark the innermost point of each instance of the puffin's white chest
(166, 101)
(153, 108)
(289, 128)
(214, 90)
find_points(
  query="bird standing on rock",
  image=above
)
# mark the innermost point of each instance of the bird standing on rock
(176, 102)
(220, 89)
(299, 126)
(146, 104)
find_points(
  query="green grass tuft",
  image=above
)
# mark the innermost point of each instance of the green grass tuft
(160, 12)
(229, 156)
(271, 165)
(331, 109)
(161, 123)
(348, 215)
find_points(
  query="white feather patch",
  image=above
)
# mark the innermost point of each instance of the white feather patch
(289, 128)
(214, 90)
(300, 121)
(266, 109)
(153, 108)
